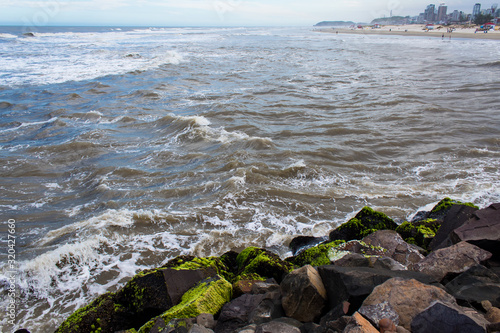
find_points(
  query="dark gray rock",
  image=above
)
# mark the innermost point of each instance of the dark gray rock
(247, 329)
(304, 295)
(206, 320)
(445, 318)
(454, 218)
(302, 243)
(475, 285)
(199, 329)
(354, 284)
(353, 260)
(235, 314)
(308, 327)
(268, 309)
(333, 326)
(261, 287)
(482, 230)
(179, 281)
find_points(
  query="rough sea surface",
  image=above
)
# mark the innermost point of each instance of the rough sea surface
(123, 148)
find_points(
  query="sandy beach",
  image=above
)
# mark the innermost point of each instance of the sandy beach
(417, 30)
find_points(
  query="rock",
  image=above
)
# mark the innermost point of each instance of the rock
(268, 309)
(29, 34)
(308, 328)
(276, 326)
(476, 284)
(445, 318)
(206, 297)
(199, 329)
(401, 329)
(333, 326)
(353, 260)
(375, 313)
(364, 223)
(304, 295)
(455, 217)
(261, 287)
(235, 314)
(454, 259)
(388, 263)
(263, 263)
(420, 233)
(361, 247)
(179, 281)
(482, 230)
(407, 297)
(173, 326)
(302, 243)
(319, 255)
(243, 287)
(206, 320)
(356, 283)
(397, 248)
(336, 313)
(248, 329)
(444, 206)
(492, 313)
(493, 328)
(387, 326)
(358, 324)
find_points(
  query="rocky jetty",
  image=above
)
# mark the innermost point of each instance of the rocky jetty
(436, 273)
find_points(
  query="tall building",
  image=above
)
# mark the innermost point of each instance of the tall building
(429, 13)
(442, 12)
(455, 17)
(476, 10)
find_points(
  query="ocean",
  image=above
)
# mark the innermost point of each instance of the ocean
(122, 148)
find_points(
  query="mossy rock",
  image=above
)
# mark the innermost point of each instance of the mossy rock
(207, 297)
(193, 263)
(367, 221)
(442, 207)
(265, 264)
(419, 233)
(101, 315)
(315, 256)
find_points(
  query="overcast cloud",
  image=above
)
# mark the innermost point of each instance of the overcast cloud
(207, 12)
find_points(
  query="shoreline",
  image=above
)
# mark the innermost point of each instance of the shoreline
(416, 31)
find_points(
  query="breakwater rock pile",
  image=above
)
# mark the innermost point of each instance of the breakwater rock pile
(438, 272)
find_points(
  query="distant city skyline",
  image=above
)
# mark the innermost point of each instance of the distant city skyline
(209, 12)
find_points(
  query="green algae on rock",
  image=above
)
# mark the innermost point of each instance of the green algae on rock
(443, 206)
(419, 233)
(365, 222)
(207, 297)
(316, 256)
(265, 264)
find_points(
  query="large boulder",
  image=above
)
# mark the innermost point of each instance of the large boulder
(456, 216)
(420, 233)
(397, 248)
(443, 207)
(207, 296)
(354, 284)
(408, 297)
(277, 326)
(475, 285)
(482, 230)
(364, 223)
(446, 318)
(148, 294)
(454, 259)
(304, 295)
(375, 313)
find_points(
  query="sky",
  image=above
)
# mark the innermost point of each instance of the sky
(208, 12)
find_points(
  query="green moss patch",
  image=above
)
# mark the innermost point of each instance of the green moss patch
(265, 264)
(367, 221)
(207, 297)
(443, 206)
(419, 233)
(315, 256)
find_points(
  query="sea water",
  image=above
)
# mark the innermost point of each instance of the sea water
(122, 148)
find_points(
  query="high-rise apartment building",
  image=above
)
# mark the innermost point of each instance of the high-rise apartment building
(429, 13)
(476, 10)
(442, 12)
